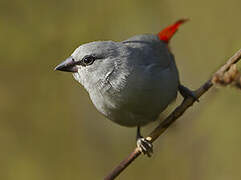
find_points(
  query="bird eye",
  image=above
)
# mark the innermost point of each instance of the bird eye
(88, 60)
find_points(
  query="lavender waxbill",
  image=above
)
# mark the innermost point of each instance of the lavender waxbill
(130, 82)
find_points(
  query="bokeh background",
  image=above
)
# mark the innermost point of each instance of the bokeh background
(50, 130)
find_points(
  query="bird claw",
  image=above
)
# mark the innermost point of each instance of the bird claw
(185, 92)
(145, 146)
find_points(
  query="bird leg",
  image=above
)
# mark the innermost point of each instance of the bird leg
(185, 92)
(143, 144)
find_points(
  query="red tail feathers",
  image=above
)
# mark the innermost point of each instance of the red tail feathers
(167, 33)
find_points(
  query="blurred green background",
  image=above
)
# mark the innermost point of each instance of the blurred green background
(50, 130)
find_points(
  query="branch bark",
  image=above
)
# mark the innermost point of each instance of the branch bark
(186, 103)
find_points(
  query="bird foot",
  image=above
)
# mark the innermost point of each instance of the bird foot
(185, 92)
(145, 146)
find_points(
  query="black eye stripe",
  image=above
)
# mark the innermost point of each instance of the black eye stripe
(87, 60)
(78, 62)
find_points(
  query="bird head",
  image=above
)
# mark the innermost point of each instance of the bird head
(93, 61)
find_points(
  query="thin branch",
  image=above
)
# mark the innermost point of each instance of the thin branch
(187, 102)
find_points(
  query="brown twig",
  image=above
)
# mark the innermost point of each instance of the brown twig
(187, 102)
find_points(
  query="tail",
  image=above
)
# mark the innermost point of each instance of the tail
(167, 33)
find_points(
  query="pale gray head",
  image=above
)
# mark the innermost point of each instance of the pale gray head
(93, 61)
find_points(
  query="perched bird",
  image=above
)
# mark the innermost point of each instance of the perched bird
(130, 82)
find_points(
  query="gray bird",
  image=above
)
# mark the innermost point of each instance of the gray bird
(130, 82)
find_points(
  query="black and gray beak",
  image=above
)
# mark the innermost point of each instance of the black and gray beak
(69, 65)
